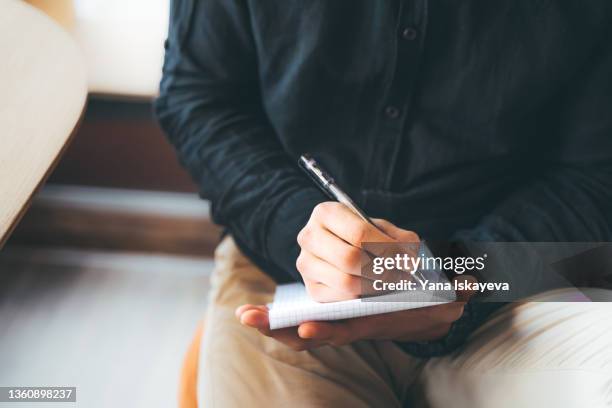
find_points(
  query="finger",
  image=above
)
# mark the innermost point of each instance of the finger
(325, 245)
(257, 319)
(465, 295)
(408, 242)
(322, 293)
(347, 225)
(316, 269)
(406, 326)
(446, 313)
(399, 234)
(334, 333)
(288, 336)
(409, 325)
(315, 330)
(241, 309)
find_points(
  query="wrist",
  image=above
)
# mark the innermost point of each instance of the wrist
(284, 225)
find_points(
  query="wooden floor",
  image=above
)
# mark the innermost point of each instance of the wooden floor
(118, 219)
(115, 325)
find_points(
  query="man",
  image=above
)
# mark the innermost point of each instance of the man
(473, 120)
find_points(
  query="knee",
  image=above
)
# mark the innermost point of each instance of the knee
(520, 388)
(541, 335)
(530, 354)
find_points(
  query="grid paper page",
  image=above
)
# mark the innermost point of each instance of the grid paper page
(292, 306)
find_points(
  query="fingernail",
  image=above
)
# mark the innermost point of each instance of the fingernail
(304, 333)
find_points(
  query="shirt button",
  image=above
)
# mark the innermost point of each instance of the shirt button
(392, 112)
(409, 33)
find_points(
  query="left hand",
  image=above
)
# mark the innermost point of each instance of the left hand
(429, 323)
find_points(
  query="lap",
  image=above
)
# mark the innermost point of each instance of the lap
(238, 365)
(537, 353)
(522, 355)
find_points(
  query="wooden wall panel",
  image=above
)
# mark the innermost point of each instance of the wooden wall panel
(120, 145)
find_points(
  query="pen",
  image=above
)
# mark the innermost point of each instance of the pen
(328, 185)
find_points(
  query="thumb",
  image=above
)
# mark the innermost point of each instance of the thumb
(466, 294)
(399, 234)
(336, 333)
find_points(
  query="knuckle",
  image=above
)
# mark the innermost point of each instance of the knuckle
(314, 291)
(381, 222)
(321, 209)
(300, 263)
(349, 284)
(412, 236)
(407, 236)
(358, 233)
(304, 236)
(351, 259)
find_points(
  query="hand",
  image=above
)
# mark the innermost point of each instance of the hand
(424, 324)
(330, 257)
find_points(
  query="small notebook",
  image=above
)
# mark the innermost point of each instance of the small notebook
(292, 305)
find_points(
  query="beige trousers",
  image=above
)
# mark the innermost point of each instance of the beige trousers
(532, 354)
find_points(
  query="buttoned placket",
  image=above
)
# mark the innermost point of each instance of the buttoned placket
(396, 111)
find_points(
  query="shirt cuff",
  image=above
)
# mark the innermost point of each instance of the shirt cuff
(282, 230)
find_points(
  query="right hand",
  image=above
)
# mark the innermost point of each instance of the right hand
(330, 257)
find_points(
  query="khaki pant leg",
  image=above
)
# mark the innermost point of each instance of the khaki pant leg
(532, 354)
(239, 367)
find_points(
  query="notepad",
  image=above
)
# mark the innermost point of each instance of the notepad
(292, 305)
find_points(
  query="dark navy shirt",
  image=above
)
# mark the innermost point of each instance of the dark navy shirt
(476, 119)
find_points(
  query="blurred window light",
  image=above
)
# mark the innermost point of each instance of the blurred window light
(122, 42)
